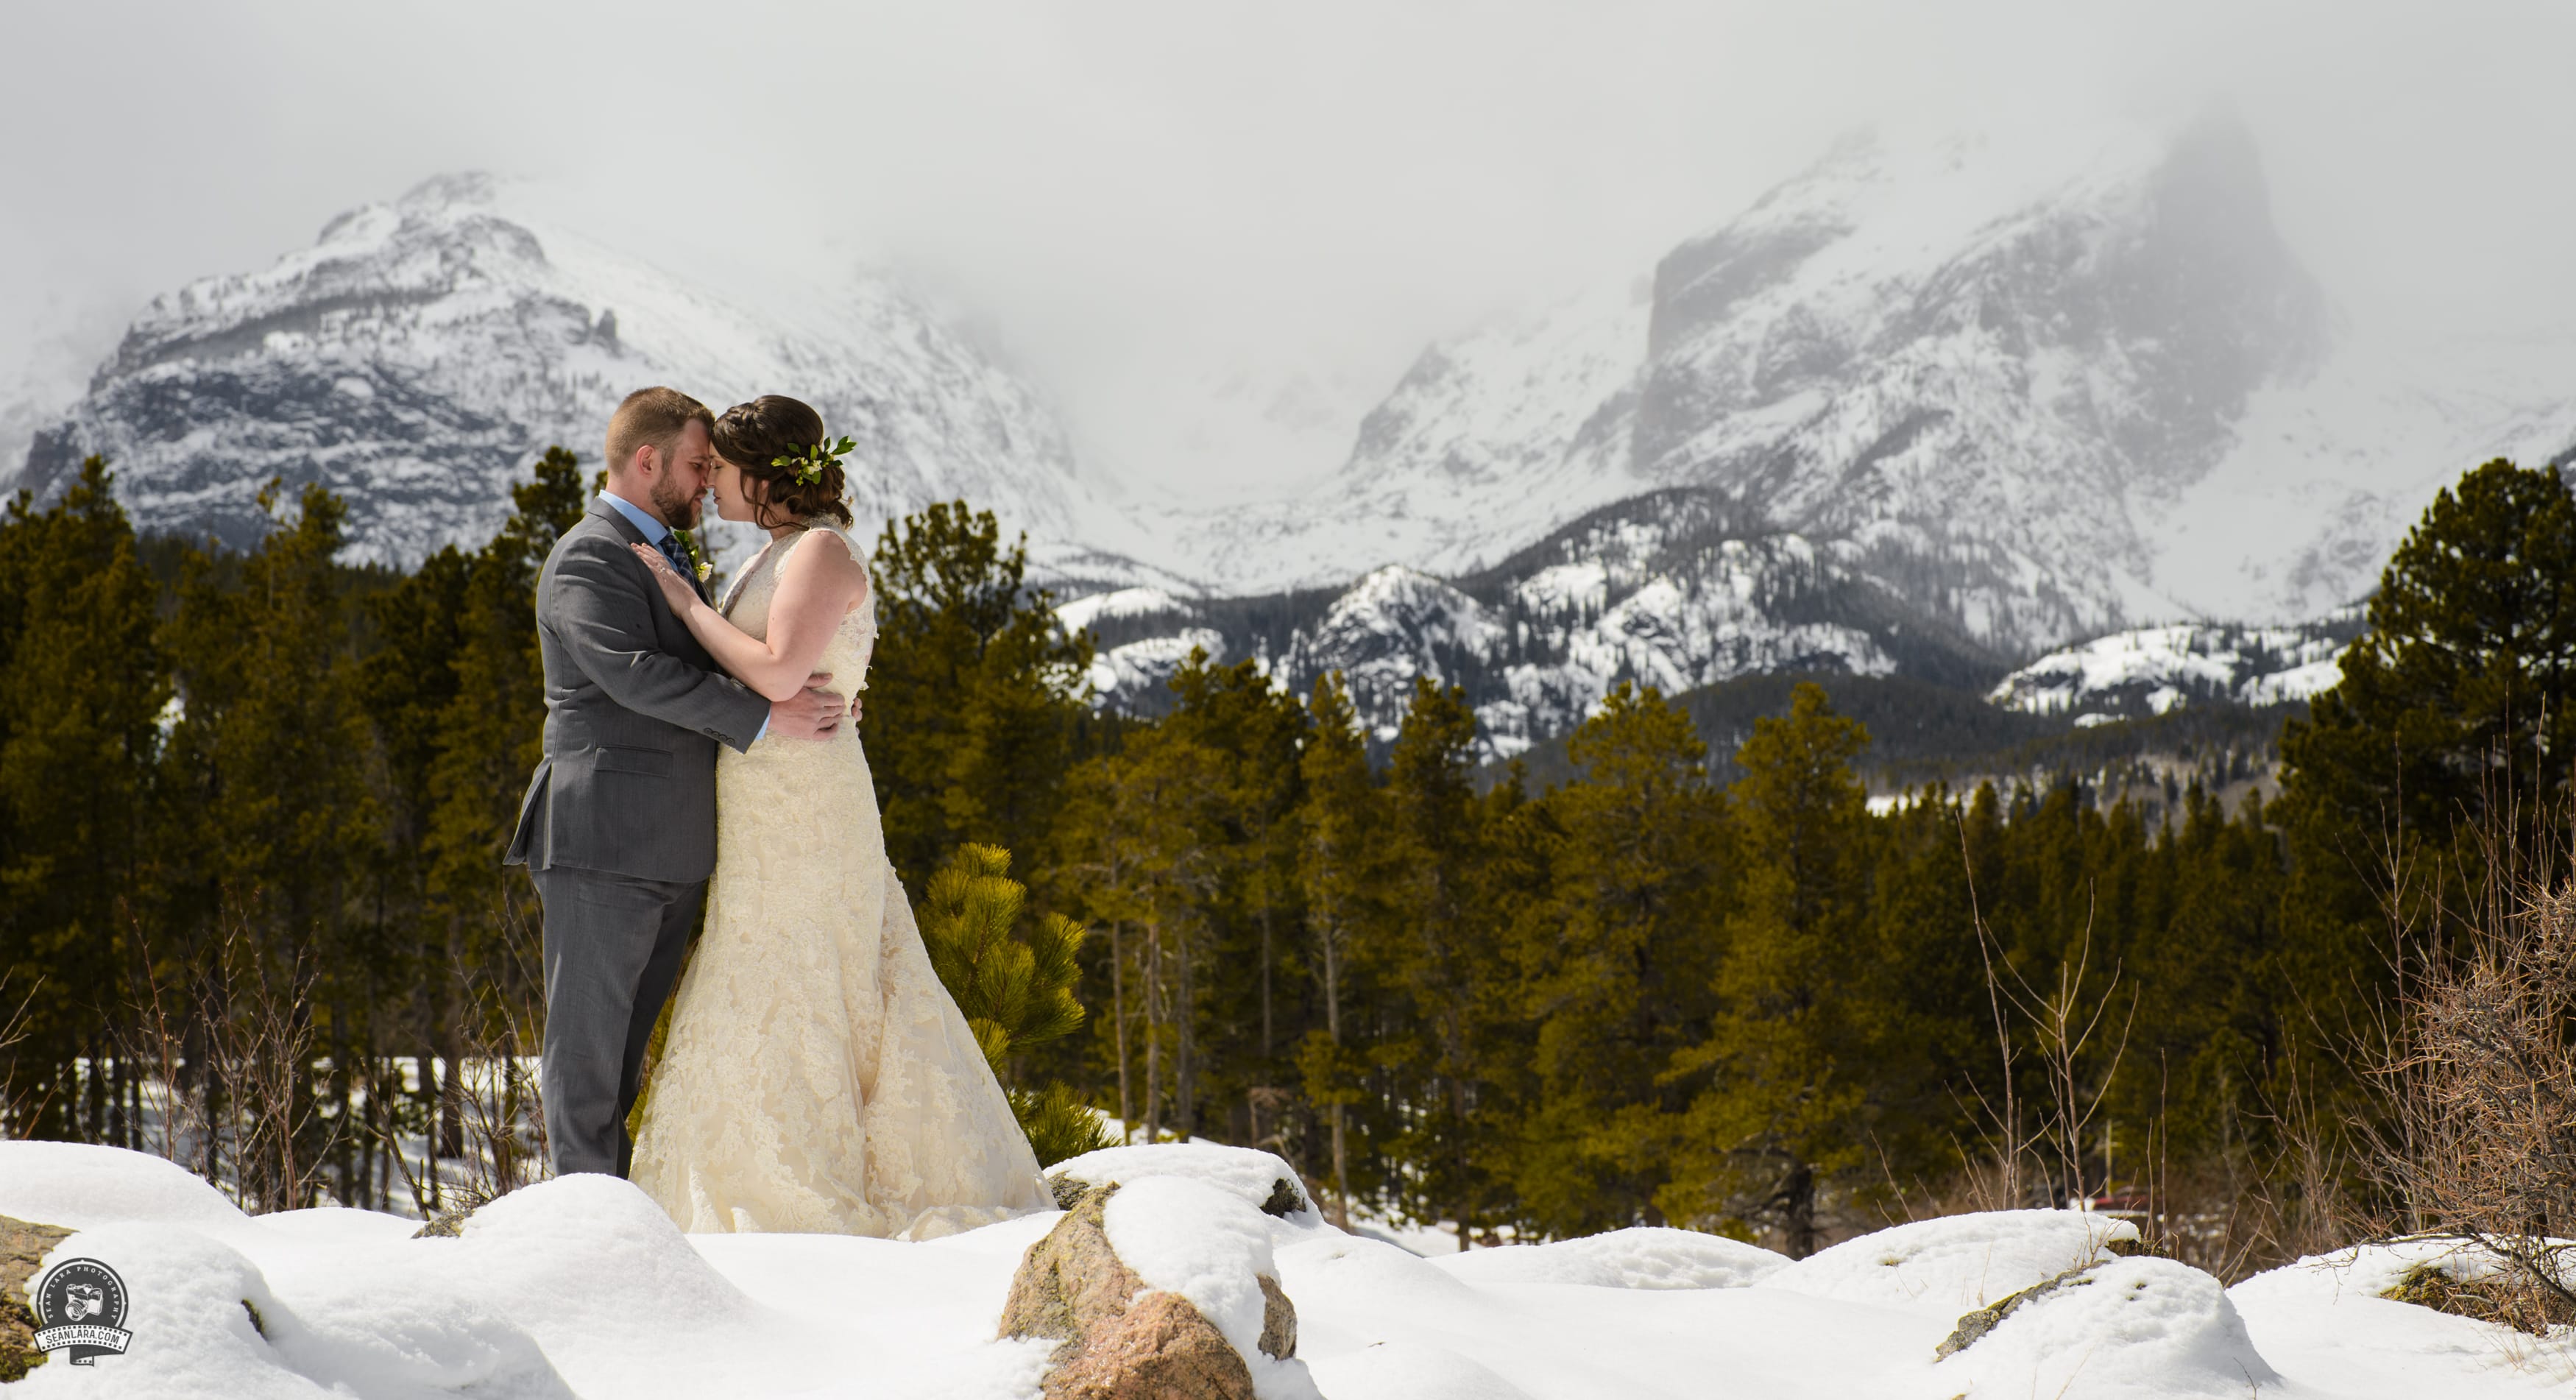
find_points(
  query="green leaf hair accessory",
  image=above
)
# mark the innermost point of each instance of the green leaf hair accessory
(807, 466)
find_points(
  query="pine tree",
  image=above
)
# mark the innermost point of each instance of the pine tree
(1013, 983)
(274, 838)
(1434, 955)
(2446, 738)
(1617, 962)
(1341, 862)
(482, 969)
(80, 688)
(1134, 845)
(2454, 699)
(1251, 732)
(975, 697)
(1786, 1107)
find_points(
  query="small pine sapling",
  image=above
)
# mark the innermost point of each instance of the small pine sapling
(1014, 982)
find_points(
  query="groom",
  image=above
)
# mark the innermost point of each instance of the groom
(618, 829)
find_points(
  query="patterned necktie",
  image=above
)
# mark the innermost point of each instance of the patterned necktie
(670, 547)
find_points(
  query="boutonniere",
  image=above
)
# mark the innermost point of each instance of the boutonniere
(697, 557)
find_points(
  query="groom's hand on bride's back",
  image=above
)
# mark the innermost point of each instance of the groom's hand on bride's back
(811, 713)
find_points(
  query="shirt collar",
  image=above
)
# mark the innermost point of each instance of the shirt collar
(653, 529)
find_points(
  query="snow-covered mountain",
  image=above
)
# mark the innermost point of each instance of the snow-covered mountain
(1664, 591)
(2045, 387)
(2151, 670)
(1933, 407)
(421, 353)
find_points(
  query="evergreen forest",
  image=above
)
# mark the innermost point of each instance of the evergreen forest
(253, 916)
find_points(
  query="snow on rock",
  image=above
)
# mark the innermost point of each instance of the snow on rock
(602, 1275)
(1955, 1263)
(580, 1287)
(1640, 1257)
(1211, 1246)
(410, 1334)
(2368, 1271)
(2325, 1322)
(1261, 1180)
(2128, 1329)
(79, 1186)
(189, 1303)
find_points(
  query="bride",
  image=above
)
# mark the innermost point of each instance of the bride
(817, 1077)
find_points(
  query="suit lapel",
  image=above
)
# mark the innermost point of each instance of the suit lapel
(600, 509)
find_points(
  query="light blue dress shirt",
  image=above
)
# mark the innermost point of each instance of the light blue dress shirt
(653, 531)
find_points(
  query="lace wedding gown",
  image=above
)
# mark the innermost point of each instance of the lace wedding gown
(817, 1077)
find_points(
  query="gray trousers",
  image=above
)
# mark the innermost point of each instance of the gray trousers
(613, 947)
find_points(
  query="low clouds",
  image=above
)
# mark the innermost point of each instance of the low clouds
(1179, 216)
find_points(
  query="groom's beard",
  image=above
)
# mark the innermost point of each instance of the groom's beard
(679, 509)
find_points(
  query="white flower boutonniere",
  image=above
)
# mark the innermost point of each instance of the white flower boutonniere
(689, 543)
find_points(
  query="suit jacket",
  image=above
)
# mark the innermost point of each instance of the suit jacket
(634, 711)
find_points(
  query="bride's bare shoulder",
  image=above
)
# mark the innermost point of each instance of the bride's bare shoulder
(825, 560)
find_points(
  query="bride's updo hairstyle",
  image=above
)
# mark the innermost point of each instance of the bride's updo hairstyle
(753, 435)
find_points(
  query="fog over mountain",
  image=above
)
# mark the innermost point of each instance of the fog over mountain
(1934, 406)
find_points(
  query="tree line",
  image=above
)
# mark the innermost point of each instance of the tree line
(251, 805)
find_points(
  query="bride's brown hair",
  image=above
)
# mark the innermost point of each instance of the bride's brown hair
(751, 435)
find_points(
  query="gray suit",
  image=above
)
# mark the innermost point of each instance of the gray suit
(618, 829)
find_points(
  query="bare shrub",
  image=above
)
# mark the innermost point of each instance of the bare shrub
(13, 1028)
(2485, 1082)
(232, 1042)
(497, 1104)
(2068, 1020)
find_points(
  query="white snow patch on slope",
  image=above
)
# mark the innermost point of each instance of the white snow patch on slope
(1956, 1263)
(1643, 1256)
(2157, 668)
(1119, 602)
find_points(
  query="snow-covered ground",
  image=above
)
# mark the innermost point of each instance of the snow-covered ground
(580, 1286)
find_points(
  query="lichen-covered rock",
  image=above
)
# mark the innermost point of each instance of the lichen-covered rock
(1977, 1324)
(23, 1247)
(1278, 1319)
(446, 1225)
(1071, 1282)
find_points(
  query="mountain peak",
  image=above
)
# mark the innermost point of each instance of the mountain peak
(475, 188)
(422, 352)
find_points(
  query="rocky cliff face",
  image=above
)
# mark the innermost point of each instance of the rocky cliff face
(1935, 406)
(1982, 364)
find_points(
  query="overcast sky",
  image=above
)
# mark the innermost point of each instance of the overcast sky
(1142, 199)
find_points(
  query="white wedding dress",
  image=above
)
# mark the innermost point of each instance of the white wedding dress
(817, 1077)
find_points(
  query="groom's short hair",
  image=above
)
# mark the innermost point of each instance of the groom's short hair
(652, 418)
